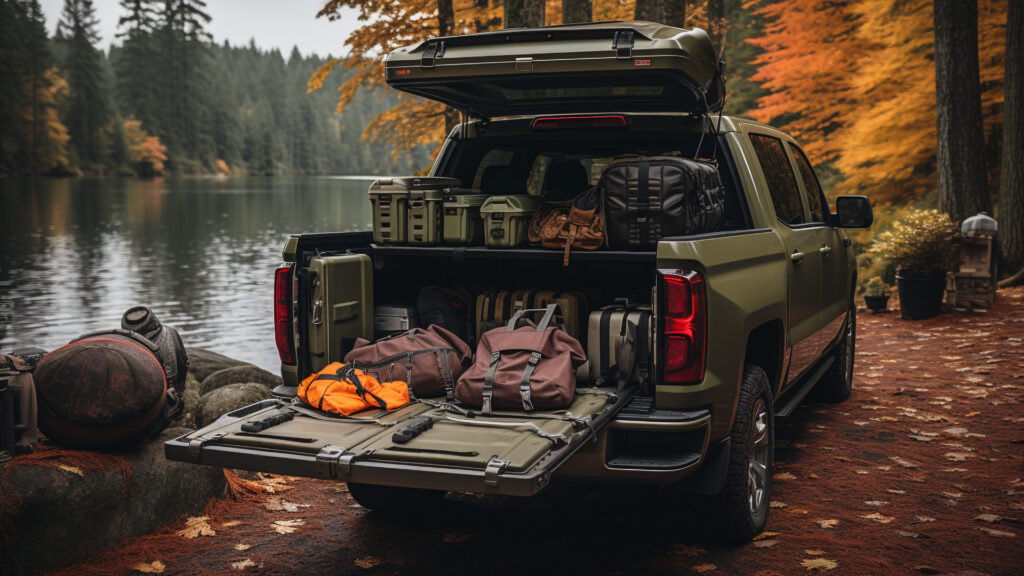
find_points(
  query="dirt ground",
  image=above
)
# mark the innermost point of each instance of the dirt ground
(919, 472)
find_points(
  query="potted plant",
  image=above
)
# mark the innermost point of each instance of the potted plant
(921, 247)
(876, 294)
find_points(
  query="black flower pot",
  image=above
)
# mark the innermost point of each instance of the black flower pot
(921, 294)
(876, 303)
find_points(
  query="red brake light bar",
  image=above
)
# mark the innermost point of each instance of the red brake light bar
(578, 122)
(283, 313)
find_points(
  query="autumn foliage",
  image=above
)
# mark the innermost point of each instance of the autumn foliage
(144, 151)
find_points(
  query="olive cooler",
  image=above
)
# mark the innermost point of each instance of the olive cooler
(425, 212)
(507, 218)
(462, 222)
(393, 212)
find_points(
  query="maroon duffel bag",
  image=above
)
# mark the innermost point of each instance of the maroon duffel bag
(429, 361)
(532, 368)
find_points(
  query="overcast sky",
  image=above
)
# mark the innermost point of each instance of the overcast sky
(272, 23)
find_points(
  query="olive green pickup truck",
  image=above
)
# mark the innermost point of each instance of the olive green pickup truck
(746, 320)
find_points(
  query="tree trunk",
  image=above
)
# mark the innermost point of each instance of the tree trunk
(1011, 180)
(960, 156)
(670, 12)
(524, 13)
(574, 11)
(716, 21)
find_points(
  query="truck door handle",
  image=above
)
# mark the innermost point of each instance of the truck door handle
(796, 256)
(825, 249)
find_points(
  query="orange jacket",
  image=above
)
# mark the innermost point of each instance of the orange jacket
(345, 390)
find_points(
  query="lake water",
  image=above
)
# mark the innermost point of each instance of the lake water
(200, 252)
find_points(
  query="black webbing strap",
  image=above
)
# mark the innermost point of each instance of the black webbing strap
(336, 377)
(643, 202)
(489, 382)
(604, 352)
(363, 392)
(643, 334)
(446, 375)
(408, 373)
(524, 384)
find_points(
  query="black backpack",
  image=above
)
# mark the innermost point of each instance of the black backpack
(449, 308)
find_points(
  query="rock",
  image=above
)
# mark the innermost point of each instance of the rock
(202, 362)
(63, 513)
(190, 398)
(231, 397)
(237, 374)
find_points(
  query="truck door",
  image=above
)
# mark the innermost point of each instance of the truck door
(835, 280)
(803, 241)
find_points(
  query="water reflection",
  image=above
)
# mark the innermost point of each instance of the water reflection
(200, 252)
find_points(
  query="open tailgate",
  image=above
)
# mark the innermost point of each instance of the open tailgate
(509, 453)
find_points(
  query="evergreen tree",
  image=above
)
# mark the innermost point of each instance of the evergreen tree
(136, 74)
(88, 110)
(670, 12)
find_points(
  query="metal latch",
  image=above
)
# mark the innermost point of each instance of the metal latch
(318, 313)
(495, 466)
(336, 462)
(195, 446)
(524, 64)
(432, 52)
(622, 43)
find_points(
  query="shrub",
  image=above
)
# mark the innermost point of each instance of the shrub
(876, 288)
(919, 243)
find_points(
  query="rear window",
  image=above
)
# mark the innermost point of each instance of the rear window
(778, 172)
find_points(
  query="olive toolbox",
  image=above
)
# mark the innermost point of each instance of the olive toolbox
(506, 219)
(390, 199)
(462, 223)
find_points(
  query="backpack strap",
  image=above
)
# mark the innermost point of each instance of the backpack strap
(488, 391)
(524, 384)
(545, 321)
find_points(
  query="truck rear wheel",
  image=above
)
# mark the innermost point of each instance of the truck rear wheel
(744, 501)
(837, 383)
(391, 499)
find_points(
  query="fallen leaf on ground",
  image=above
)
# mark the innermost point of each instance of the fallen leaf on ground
(813, 475)
(923, 519)
(230, 523)
(702, 568)
(1016, 505)
(902, 462)
(878, 518)
(765, 543)
(777, 504)
(277, 504)
(784, 476)
(71, 469)
(819, 564)
(996, 533)
(815, 552)
(455, 538)
(154, 567)
(367, 562)
(241, 547)
(286, 526)
(875, 502)
(958, 456)
(243, 564)
(197, 526)
(827, 522)
(971, 414)
(765, 535)
(895, 491)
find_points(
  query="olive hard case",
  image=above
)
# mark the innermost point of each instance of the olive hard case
(391, 199)
(506, 219)
(462, 223)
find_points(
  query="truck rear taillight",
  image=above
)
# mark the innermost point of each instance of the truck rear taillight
(283, 314)
(578, 122)
(684, 328)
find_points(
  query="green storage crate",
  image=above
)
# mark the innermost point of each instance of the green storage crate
(390, 199)
(462, 222)
(425, 212)
(507, 218)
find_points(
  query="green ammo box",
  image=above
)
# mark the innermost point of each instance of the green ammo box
(507, 218)
(462, 223)
(393, 201)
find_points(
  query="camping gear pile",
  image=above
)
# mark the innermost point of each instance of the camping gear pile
(106, 389)
(636, 202)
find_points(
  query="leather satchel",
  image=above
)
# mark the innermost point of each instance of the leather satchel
(580, 224)
(430, 360)
(528, 368)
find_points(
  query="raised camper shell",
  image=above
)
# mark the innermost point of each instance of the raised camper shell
(620, 66)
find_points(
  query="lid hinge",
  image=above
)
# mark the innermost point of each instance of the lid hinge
(432, 52)
(195, 446)
(622, 43)
(495, 466)
(336, 463)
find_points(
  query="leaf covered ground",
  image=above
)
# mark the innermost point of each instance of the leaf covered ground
(921, 471)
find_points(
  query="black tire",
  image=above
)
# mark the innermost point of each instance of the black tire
(837, 383)
(393, 500)
(743, 504)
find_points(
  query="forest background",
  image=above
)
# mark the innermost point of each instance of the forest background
(856, 82)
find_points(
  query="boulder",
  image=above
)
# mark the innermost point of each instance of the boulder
(59, 508)
(202, 362)
(190, 398)
(238, 374)
(225, 399)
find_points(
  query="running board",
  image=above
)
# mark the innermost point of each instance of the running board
(791, 399)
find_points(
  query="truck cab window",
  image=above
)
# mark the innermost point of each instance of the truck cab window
(811, 185)
(778, 173)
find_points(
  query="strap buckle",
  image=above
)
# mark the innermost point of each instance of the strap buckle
(495, 466)
(335, 462)
(431, 53)
(195, 446)
(622, 43)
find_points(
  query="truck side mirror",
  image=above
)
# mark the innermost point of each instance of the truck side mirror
(854, 212)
